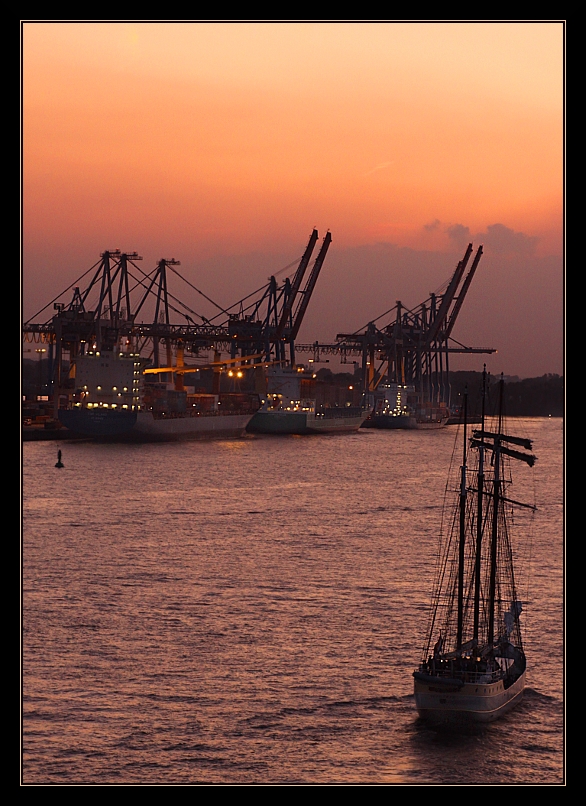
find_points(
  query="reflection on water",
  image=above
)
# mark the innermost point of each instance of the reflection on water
(251, 611)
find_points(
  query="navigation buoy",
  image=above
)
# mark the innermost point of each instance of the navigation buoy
(59, 462)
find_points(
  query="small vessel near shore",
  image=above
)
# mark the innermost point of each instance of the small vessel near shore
(431, 416)
(473, 664)
(112, 402)
(456, 413)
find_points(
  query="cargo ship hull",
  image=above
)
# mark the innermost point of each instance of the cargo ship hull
(390, 421)
(426, 425)
(298, 422)
(143, 426)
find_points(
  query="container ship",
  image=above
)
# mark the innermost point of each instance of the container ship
(292, 406)
(112, 402)
(398, 406)
(391, 409)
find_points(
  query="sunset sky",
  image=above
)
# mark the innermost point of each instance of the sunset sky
(223, 144)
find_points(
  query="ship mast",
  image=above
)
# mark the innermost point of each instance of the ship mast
(496, 493)
(488, 440)
(479, 516)
(462, 543)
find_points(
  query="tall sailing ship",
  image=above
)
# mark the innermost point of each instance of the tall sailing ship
(473, 665)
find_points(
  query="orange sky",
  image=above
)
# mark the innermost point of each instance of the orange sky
(216, 142)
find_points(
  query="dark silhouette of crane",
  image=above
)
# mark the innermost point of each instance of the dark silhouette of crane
(255, 329)
(414, 345)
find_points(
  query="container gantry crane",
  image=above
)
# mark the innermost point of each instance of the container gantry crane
(257, 332)
(414, 346)
(273, 320)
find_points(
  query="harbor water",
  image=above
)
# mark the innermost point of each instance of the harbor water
(250, 612)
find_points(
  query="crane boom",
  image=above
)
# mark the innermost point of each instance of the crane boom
(448, 298)
(307, 292)
(463, 292)
(295, 285)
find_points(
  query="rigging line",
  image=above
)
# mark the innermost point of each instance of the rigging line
(137, 280)
(372, 321)
(63, 292)
(446, 527)
(437, 292)
(197, 289)
(415, 311)
(258, 290)
(172, 296)
(442, 288)
(180, 312)
(255, 303)
(253, 293)
(289, 266)
(148, 276)
(459, 343)
(412, 311)
(488, 494)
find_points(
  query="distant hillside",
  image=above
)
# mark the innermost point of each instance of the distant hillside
(530, 397)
